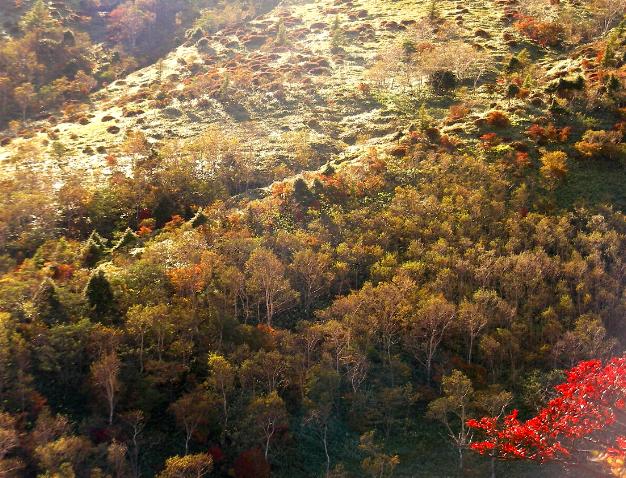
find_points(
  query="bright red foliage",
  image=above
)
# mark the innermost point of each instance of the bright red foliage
(587, 414)
(544, 33)
(548, 134)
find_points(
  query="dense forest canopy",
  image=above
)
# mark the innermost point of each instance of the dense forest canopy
(335, 238)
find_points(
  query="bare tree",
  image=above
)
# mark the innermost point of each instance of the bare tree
(192, 410)
(105, 376)
(267, 278)
(9, 441)
(608, 13)
(135, 422)
(428, 328)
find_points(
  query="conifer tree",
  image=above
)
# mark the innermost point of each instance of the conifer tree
(93, 251)
(127, 239)
(99, 296)
(47, 306)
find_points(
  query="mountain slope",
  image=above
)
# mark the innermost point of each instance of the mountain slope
(256, 85)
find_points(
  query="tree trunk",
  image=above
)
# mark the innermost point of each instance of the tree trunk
(267, 446)
(325, 440)
(141, 355)
(187, 438)
(111, 409)
(225, 405)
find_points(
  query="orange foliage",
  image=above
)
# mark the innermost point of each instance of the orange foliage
(457, 112)
(490, 140)
(544, 33)
(279, 189)
(549, 134)
(498, 119)
(522, 159)
(144, 231)
(188, 280)
(174, 223)
(63, 272)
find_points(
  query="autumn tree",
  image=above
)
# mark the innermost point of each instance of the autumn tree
(377, 464)
(587, 340)
(149, 328)
(221, 381)
(135, 422)
(105, 376)
(453, 410)
(192, 410)
(9, 441)
(269, 416)
(583, 421)
(427, 329)
(252, 464)
(266, 370)
(485, 308)
(313, 275)
(116, 459)
(321, 395)
(188, 466)
(266, 277)
(130, 19)
(25, 97)
(553, 167)
(607, 13)
(49, 427)
(66, 456)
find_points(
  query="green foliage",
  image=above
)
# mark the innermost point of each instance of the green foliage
(46, 302)
(342, 323)
(93, 251)
(128, 238)
(38, 18)
(337, 35)
(281, 34)
(100, 298)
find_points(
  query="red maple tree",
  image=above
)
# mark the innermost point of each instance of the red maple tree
(584, 424)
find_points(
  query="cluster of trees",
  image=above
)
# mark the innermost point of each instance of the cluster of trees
(428, 56)
(44, 65)
(556, 23)
(155, 325)
(588, 408)
(50, 59)
(334, 308)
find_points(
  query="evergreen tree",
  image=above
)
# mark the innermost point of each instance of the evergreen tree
(127, 239)
(302, 193)
(93, 251)
(281, 35)
(337, 36)
(199, 219)
(38, 18)
(99, 296)
(47, 306)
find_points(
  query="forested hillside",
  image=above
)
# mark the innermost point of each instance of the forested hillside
(331, 238)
